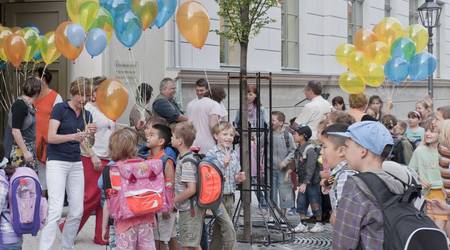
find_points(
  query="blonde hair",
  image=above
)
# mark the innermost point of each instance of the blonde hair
(444, 135)
(81, 86)
(222, 126)
(358, 101)
(123, 144)
(186, 132)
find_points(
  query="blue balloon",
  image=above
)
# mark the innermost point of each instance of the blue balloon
(422, 66)
(166, 8)
(403, 47)
(396, 69)
(128, 29)
(96, 42)
(75, 34)
(37, 56)
(2, 64)
(117, 8)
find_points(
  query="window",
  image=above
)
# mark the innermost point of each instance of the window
(354, 17)
(229, 51)
(289, 34)
(413, 16)
(387, 8)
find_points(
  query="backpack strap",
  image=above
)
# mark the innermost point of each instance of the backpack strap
(376, 186)
(286, 138)
(192, 198)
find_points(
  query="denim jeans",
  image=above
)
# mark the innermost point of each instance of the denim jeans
(313, 197)
(13, 246)
(62, 175)
(281, 190)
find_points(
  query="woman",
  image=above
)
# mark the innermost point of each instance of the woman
(426, 111)
(23, 123)
(44, 104)
(218, 94)
(358, 105)
(69, 126)
(376, 106)
(141, 111)
(338, 103)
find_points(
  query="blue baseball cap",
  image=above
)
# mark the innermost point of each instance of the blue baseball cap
(371, 135)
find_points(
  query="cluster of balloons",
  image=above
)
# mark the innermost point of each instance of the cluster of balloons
(386, 52)
(92, 23)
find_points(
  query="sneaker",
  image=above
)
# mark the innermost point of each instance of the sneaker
(300, 228)
(318, 227)
(292, 212)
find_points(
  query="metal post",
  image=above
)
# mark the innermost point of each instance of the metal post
(430, 50)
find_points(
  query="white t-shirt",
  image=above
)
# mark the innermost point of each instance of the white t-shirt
(105, 127)
(199, 112)
(313, 113)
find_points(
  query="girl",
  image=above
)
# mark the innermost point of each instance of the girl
(376, 105)
(338, 103)
(425, 110)
(414, 133)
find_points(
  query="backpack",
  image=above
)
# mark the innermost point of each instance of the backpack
(399, 150)
(209, 183)
(137, 188)
(405, 227)
(27, 205)
(168, 191)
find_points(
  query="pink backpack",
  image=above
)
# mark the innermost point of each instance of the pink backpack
(27, 205)
(137, 188)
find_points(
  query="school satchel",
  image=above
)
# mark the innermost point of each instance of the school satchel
(405, 227)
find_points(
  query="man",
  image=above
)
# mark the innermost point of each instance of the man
(204, 113)
(314, 111)
(165, 106)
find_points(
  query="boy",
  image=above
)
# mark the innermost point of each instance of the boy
(308, 179)
(402, 149)
(414, 133)
(333, 155)
(190, 221)
(158, 138)
(226, 159)
(283, 147)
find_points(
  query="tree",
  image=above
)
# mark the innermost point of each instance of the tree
(245, 19)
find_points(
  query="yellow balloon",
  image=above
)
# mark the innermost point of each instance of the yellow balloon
(377, 52)
(419, 35)
(112, 98)
(87, 14)
(351, 83)
(4, 32)
(363, 37)
(388, 30)
(193, 23)
(357, 62)
(373, 75)
(146, 10)
(342, 53)
(73, 8)
(49, 52)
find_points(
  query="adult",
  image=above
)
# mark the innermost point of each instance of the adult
(218, 94)
(44, 104)
(358, 106)
(254, 106)
(316, 109)
(443, 113)
(204, 113)
(22, 121)
(69, 126)
(424, 107)
(165, 106)
(141, 111)
(376, 106)
(338, 103)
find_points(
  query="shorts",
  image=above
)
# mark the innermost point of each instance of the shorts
(41, 175)
(190, 227)
(165, 230)
(437, 194)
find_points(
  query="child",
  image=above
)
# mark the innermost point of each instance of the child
(333, 154)
(425, 161)
(226, 159)
(190, 219)
(402, 149)
(414, 133)
(9, 240)
(158, 138)
(135, 232)
(283, 147)
(308, 179)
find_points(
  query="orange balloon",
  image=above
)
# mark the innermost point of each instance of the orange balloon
(193, 23)
(363, 37)
(63, 45)
(388, 30)
(15, 48)
(112, 98)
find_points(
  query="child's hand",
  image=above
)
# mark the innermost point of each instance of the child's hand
(226, 160)
(287, 177)
(425, 184)
(282, 164)
(240, 177)
(302, 188)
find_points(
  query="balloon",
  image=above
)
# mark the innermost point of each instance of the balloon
(403, 47)
(363, 37)
(73, 8)
(2, 64)
(112, 98)
(166, 8)
(146, 10)
(31, 37)
(16, 29)
(96, 42)
(104, 21)
(396, 69)
(19, 31)
(377, 52)
(37, 56)
(342, 53)
(15, 46)
(87, 14)
(419, 35)
(4, 32)
(193, 23)
(49, 52)
(63, 45)
(422, 66)
(357, 62)
(131, 29)
(351, 83)
(75, 34)
(374, 75)
(388, 30)
(118, 7)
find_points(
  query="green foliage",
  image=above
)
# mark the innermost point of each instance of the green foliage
(244, 18)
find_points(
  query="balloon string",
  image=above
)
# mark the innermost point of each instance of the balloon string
(9, 103)
(43, 72)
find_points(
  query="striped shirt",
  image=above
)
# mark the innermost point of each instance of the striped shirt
(217, 155)
(340, 174)
(185, 172)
